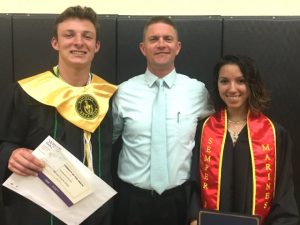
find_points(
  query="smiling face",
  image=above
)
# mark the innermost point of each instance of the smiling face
(233, 88)
(160, 46)
(76, 42)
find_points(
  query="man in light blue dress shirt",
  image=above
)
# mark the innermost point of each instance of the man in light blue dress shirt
(186, 100)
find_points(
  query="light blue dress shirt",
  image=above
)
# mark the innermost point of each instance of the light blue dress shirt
(187, 99)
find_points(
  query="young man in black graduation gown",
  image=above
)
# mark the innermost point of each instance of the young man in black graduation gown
(67, 102)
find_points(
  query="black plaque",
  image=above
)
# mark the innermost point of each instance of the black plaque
(219, 218)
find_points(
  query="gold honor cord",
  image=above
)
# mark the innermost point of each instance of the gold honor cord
(88, 155)
(85, 107)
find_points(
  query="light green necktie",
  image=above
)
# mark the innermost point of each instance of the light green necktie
(159, 163)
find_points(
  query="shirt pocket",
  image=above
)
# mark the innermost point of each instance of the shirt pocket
(186, 124)
(182, 125)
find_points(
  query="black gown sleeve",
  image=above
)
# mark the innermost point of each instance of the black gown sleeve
(8, 142)
(284, 209)
(13, 126)
(194, 201)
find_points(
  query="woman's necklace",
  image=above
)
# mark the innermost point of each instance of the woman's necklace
(234, 128)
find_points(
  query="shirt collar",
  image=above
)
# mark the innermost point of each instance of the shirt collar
(169, 78)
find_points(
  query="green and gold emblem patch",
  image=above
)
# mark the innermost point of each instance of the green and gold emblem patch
(87, 107)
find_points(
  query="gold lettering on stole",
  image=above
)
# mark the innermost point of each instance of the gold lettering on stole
(207, 158)
(208, 148)
(267, 195)
(205, 176)
(265, 148)
(206, 165)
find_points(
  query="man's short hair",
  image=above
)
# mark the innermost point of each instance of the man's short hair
(160, 19)
(84, 13)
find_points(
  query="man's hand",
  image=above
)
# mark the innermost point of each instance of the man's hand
(23, 162)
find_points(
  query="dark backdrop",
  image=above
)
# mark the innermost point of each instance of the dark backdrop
(272, 41)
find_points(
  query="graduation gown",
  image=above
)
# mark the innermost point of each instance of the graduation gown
(25, 122)
(236, 186)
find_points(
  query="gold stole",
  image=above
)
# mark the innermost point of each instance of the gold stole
(85, 107)
(262, 142)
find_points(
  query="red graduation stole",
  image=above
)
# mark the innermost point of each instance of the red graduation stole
(262, 142)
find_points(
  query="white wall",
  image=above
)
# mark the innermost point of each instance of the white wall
(160, 7)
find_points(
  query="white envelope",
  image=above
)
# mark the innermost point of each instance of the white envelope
(37, 191)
